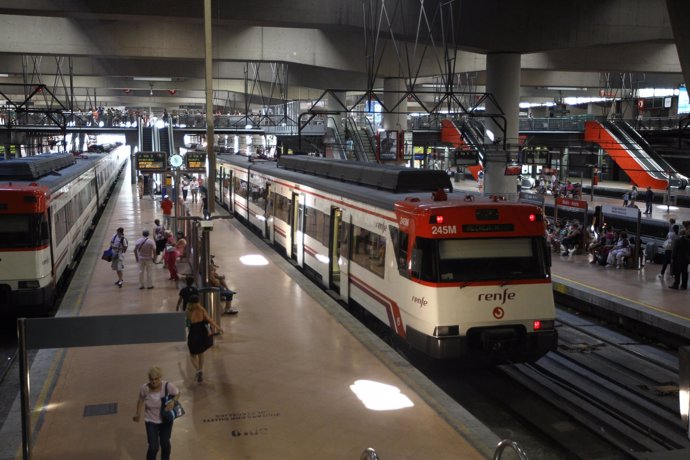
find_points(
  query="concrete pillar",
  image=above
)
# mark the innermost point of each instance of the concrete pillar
(679, 16)
(394, 89)
(334, 103)
(503, 82)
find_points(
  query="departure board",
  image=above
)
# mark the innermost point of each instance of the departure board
(195, 161)
(152, 161)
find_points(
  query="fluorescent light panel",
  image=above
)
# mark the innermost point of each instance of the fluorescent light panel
(151, 78)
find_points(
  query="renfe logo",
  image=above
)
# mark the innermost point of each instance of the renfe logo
(497, 296)
(422, 302)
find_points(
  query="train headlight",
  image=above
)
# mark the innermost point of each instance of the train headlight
(446, 331)
(28, 284)
(543, 325)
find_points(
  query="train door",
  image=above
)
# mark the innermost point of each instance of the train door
(222, 184)
(343, 256)
(231, 191)
(334, 249)
(297, 230)
(268, 211)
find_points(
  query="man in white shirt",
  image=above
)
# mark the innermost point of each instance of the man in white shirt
(145, 253)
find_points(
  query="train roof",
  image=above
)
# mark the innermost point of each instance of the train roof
(52, 170)
(394, 179)
(369, 194)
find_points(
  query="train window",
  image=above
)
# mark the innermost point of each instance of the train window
(281, 208)
(369, 250)
(23, 231)
(454, 260)
(316, 225)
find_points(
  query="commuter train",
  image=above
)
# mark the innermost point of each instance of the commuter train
(454, 276)
(48, 204)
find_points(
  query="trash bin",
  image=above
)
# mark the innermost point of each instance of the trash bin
(210, 299)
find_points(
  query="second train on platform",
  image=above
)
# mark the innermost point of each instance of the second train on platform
(452, 275)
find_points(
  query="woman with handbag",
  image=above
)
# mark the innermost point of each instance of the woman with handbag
(200, 336)
(151, 397)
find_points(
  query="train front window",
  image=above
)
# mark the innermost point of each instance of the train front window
(23, 231)
(483, 259)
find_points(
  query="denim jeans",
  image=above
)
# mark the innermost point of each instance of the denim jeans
(158, 436)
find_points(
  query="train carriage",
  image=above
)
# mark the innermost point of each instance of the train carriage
(48, 204)
(453, 275)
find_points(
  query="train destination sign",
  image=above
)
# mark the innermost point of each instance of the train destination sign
(152, 161)
(195, 161)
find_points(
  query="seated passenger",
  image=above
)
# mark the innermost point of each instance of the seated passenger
(620, 251)
(572, 240)
(226, 294)
(600, 248)
(559, 232)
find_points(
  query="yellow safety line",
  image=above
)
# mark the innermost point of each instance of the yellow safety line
(622, 297)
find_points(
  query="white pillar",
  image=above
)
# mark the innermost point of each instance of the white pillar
(394, 90)
(334, 103)
(503, 82)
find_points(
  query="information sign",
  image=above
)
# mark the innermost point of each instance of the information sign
(152, 162)
(620, 211)
(195, 161)
(466, 157)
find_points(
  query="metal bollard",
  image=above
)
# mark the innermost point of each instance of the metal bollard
(684, 386)
(210, 299)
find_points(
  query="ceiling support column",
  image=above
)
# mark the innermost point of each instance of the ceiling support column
(503, 81)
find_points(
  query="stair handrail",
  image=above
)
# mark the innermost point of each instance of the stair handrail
(505, 443)
(356, 136)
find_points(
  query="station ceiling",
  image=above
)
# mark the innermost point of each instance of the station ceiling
(151, 53)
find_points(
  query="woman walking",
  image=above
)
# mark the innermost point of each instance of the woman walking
(170, 255)
(150, 399)
(200, 336)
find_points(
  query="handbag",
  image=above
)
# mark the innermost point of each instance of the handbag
(169, 415)
(107, 255)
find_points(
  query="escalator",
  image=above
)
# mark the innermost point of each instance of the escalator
(468, 135)
(363, 141)
(633, 154)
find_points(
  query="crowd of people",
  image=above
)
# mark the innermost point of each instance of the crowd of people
(609, 247)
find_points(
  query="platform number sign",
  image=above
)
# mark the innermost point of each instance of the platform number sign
(195, 161)
(152, 162)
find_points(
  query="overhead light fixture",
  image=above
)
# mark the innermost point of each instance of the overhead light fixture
(4, 75)
(151, 78)
(565, 88)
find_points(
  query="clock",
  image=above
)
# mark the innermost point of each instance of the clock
(175, 161)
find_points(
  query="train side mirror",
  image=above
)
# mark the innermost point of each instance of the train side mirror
(45, 232)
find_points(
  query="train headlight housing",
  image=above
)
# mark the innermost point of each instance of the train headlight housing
(446, 331)
(28, 284)
(543, 325)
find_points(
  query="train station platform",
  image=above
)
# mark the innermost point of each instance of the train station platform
(293, 376)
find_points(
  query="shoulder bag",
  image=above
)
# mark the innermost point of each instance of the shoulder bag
(169, 415)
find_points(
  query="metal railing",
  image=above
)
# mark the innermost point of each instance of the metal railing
(369, 454)
(504, 444)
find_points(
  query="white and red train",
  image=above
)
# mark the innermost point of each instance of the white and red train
(48, 204)
(453, 275)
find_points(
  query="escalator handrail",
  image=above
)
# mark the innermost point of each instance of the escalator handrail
(642, 142)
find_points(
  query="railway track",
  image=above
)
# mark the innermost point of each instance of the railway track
(600, 395)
